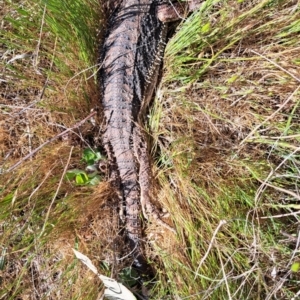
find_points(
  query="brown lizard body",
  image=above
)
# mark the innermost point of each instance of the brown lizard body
(132, 58)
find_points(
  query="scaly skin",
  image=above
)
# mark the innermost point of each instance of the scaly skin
(132, 54)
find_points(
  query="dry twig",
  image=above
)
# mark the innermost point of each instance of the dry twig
(49, 141)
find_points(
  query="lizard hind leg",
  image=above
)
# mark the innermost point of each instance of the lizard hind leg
(142, 156)
(114, 176)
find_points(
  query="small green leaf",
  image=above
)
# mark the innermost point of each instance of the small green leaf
(88, 155)
(92, 175)
(95, 180)
(81, 178)
(71, 174)
(90, 162)
(98, 155)
(295, 267)
(75, 171)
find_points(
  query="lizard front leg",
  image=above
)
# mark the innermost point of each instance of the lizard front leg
(170, 12)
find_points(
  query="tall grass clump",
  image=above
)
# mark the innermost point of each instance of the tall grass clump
(48, 65)
(226, 142)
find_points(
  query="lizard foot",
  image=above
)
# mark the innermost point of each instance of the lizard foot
(151, 210)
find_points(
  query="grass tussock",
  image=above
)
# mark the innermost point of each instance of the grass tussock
(48, 54)
(225, 139)
(225, 124)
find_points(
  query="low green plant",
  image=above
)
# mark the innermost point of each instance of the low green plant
(129, 276)
(91, 174)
